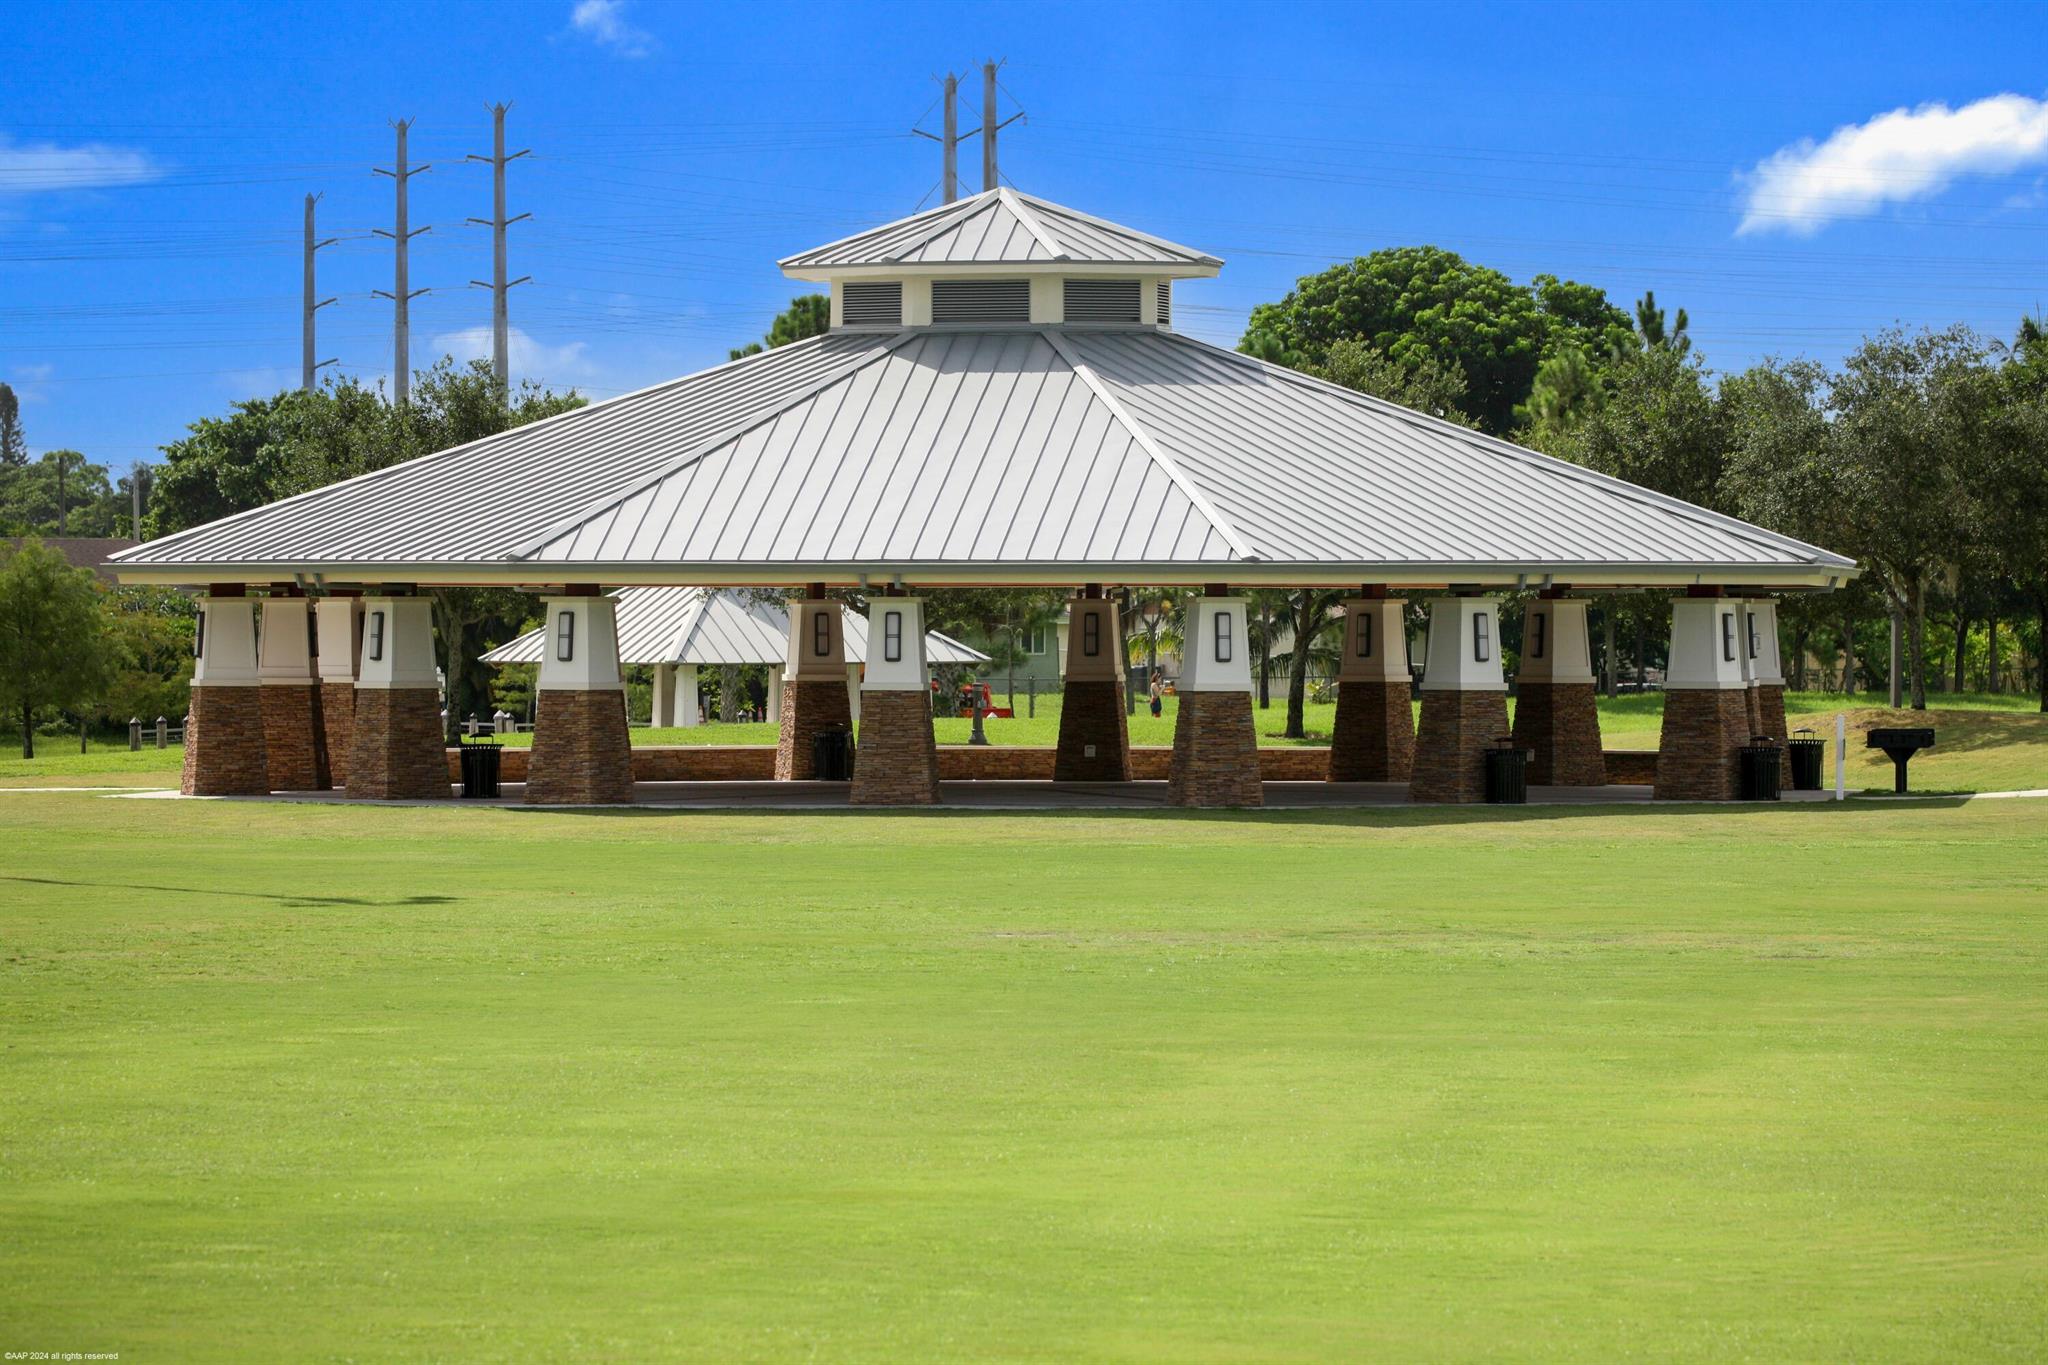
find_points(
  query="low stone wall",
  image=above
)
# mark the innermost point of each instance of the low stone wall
(992, 763)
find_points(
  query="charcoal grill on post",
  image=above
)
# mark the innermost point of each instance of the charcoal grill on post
(1900, 746)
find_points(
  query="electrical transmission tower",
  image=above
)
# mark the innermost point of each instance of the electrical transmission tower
(950, 180)
(401, 293)
(990, 126)
(501, 318)
(313, 304)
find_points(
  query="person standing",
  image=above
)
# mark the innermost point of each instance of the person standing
(1158, 696)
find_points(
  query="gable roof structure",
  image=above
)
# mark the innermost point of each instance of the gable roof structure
(1000, 453)
(712, 626)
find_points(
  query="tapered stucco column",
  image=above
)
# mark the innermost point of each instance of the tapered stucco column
(899, 760)
(339, 626)
(662, 714)
(1767, 682)
(813, 686)
(294, 740)
(396, 752)
(581, 753)
(1215, 748)
(224, 753)
(1706, 702)
(1464, 701)
(1557, 714)
(1095, 727)
(1373, 739)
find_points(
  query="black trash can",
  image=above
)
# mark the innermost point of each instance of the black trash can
(1808, 753)
(1759, 777)
(1507, 774)
(832, 756)
(480, 769)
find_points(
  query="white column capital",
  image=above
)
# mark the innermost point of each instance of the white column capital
(817, 640)
(895, 655)
(1375, 641)
(1092, 635)
(224, 643)
(1556, 647)
(398, 644)
(1217, 656)
(340, 624)
(1463, 654)
(284, 656)
(1709, 648)
(579, 649)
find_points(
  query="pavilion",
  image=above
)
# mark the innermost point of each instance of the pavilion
(678, 631)
(1001, 399)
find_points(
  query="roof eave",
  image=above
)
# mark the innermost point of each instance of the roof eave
(896, 270)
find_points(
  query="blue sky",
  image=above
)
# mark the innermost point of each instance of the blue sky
(1793, 176)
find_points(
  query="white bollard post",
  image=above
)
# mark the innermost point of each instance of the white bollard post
(1841, 757)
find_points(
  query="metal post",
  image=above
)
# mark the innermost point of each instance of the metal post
(952, 143)
(1841, 756)
(309, 305)
(401, 293)
(501, 317)
(988, 125)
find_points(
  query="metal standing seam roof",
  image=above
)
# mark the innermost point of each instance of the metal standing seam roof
(706, 626)
(1002, 227)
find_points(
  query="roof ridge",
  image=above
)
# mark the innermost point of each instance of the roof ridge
(1192, 253)
(1029, 218)
(1180, 478)
(561, 526)
(1536, 459)
(390, 470)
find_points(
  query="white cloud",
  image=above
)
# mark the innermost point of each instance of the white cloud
(30, 382)
(568, 363)
(35, 167)
(604, 23)
(1904, 155)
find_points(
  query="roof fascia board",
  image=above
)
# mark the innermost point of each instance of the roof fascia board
(969, 270)
(1151, 448)
(537, 577)
(563, 525)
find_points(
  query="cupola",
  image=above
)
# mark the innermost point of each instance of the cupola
(1000, 259)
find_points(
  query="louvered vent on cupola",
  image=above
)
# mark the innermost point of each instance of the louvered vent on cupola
(1165, 302)
(872, 303)
(981, 301)
(1090, 300)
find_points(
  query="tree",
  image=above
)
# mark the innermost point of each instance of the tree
(1412, 303)
(808, 315)
(1420, 383)
(151, 631)
(2015, 481)
(1315, 617)
(54, 650)
(1658, 426)
(1650, 326)
(1569, 388)
(1910, 428)
(13, 444)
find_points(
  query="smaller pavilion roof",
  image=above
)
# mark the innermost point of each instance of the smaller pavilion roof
(717, 626)
(1000, 227)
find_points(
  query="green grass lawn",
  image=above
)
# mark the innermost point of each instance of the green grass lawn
(289, 1081)
(1985, 743)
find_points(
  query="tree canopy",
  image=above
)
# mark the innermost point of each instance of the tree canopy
(54, 646)
(808, 315)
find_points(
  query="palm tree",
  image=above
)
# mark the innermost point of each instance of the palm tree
(1315, 617)
(1267, 613)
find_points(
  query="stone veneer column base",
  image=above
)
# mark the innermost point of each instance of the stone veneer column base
(1457, 729)
(1092, 713)
(1770, 720)
(1703, 727)
(1373, 739)
(1560, 724)
(581, 753)
(808, 706)
(224, 753)
(395, 748)
(899, 760)
(294, 742)
(1215, 752)
(338, 719)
